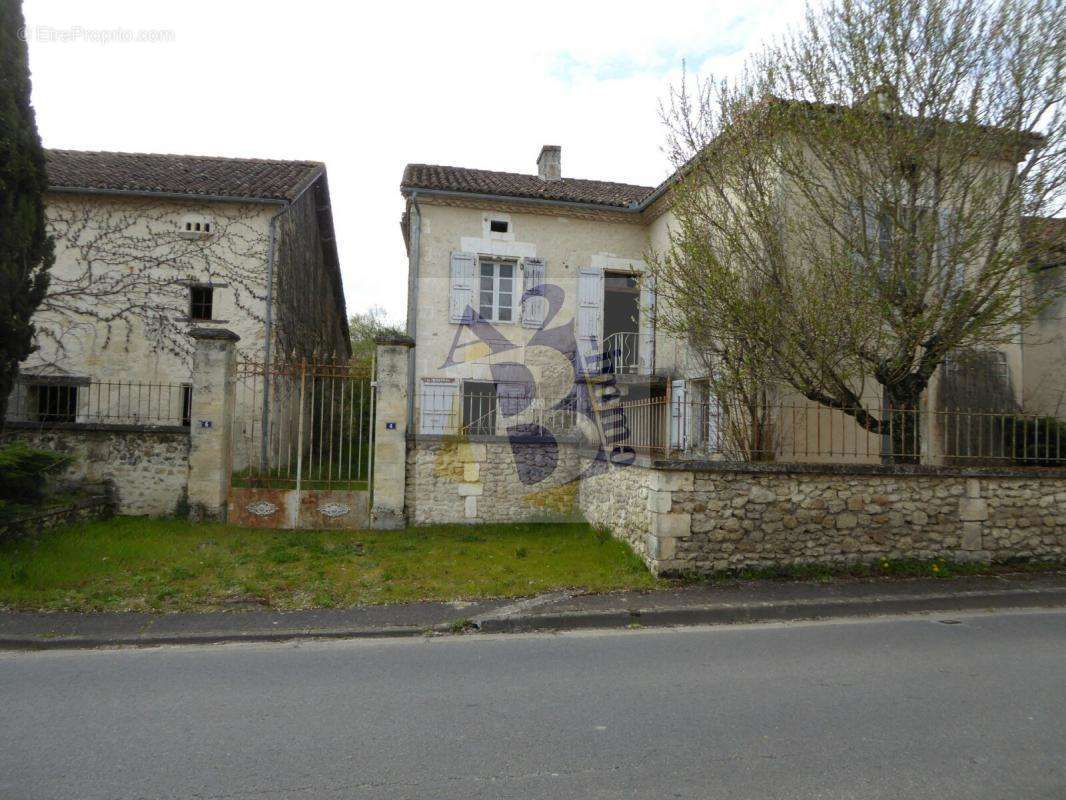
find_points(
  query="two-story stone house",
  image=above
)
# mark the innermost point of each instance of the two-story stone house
(148, 247)
(477, 240)
(484, 359)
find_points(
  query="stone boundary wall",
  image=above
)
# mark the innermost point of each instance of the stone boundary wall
(490, 479)
(83, 510)
(706, 518)
(148, 467)
(616, 498)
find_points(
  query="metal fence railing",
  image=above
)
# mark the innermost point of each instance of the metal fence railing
(54, 401)
(498, 411)
(303, 425)
(806, 432)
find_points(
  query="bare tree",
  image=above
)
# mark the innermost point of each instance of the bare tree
(848, 208)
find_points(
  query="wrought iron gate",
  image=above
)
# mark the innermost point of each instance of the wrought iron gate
(302, 445)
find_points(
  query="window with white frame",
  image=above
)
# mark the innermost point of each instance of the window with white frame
(882, 237)
(496, 278)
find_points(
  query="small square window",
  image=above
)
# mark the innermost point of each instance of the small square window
(201, 302)
(499, 226)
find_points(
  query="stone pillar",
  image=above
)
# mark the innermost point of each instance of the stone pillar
(471, 456)
(665, 523)
(213, 365)
(973, 513)
(390, 434)
(931, 431)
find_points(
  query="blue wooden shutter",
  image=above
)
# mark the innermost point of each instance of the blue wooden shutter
(647, 324)
(589, 319)
(439, 412)
(678, 409)
(534, 309)
(462, 308)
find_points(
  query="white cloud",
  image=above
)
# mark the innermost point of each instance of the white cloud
(369, 88)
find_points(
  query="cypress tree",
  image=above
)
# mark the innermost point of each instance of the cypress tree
(26, 250)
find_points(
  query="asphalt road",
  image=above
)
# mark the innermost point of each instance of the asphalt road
(887, 708)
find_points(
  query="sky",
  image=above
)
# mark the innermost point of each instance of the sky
(368, 88)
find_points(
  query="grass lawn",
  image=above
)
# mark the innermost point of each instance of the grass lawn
(139, 564)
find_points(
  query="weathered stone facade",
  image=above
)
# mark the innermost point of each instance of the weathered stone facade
(451, 480)
(727, 517)
(148, 468)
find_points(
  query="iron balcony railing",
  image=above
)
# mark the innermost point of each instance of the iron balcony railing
(621, 352)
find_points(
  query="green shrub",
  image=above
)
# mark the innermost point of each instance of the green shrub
(23, 472)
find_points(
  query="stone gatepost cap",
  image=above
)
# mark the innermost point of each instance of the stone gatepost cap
(401, 341)
(222, 334)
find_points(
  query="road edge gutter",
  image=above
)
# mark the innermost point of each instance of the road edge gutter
(511, 622)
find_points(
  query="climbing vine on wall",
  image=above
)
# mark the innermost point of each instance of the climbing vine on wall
(125, 266)
(124, 270)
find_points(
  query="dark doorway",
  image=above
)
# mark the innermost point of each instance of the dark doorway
(621, 321)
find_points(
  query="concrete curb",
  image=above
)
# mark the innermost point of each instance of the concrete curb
(161, 640)
(731, 614)
(509, 622)
(149, 640)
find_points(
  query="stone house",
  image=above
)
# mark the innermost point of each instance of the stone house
(151, 249)
(529, 295)
(150, 246)
(477, 240)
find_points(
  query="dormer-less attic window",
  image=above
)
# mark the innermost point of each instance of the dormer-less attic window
(195, 228)
(497, 226)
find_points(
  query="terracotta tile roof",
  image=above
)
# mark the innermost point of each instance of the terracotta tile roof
(1045, 239)
(513, 184)
(173, 174)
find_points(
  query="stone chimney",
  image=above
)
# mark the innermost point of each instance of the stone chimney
(550, 162)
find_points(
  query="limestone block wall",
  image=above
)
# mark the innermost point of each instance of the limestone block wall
(451, 480)
(729, 517)
(149, 469)
(617, 498)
